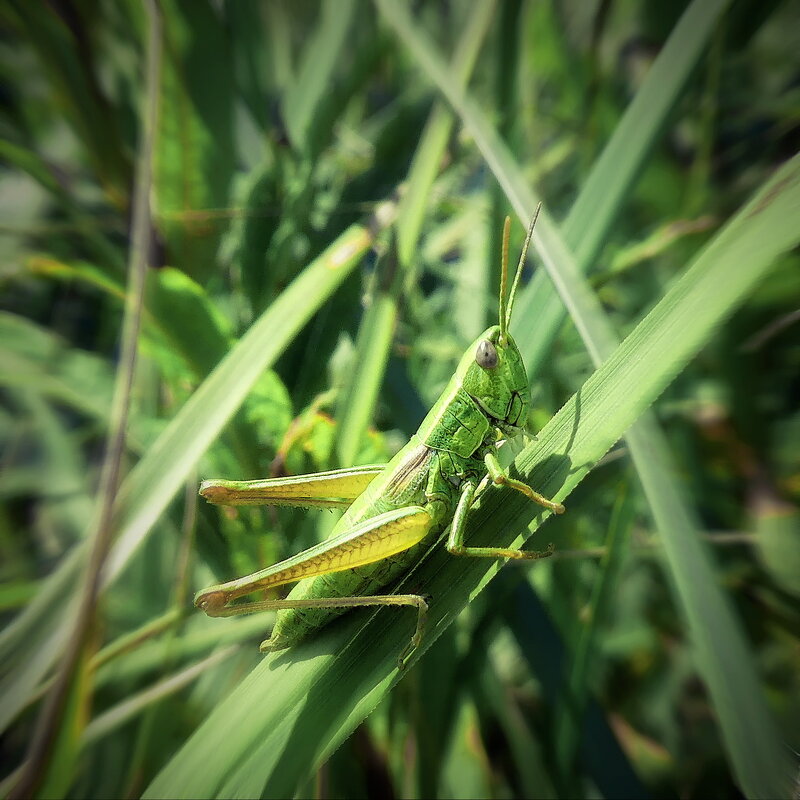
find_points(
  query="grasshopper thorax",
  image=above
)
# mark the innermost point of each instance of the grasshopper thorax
(493, 374)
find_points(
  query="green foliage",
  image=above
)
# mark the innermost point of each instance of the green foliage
(656, 652)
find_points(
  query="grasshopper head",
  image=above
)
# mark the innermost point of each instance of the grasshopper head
(492, 371)
(494, 376)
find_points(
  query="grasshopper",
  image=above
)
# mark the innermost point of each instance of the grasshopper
(394, 511)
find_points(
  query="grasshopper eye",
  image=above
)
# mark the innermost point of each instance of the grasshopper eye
(486, 355)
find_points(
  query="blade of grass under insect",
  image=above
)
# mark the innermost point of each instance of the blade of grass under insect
(355, 410)
(310, 698)
(753, 746)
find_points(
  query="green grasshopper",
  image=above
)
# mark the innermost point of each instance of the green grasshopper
(394, 511)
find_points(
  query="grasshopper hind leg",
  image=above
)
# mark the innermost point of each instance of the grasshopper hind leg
(280, 640)
(367, 542)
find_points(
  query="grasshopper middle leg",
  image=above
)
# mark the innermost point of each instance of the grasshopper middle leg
(455, 540)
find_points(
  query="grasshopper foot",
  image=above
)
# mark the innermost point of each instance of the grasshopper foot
(422, 609)
(409, 650)
(531, 555)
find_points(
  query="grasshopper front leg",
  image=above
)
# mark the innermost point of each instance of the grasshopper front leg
(501, 478)
(455, 540)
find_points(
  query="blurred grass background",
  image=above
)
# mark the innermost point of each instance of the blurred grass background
(310, 196)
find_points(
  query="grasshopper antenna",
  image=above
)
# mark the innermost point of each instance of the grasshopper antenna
(520, 265)
(504, 281)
